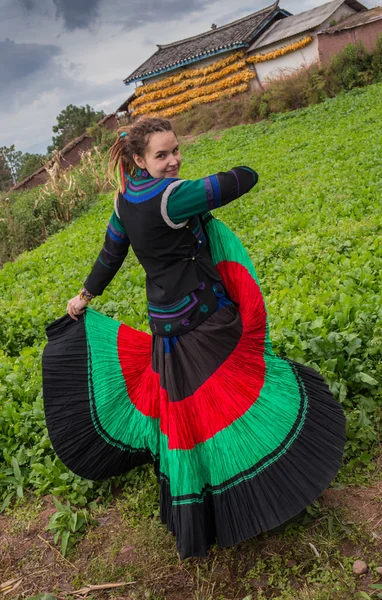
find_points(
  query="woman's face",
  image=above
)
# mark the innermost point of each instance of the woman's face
(162, 157)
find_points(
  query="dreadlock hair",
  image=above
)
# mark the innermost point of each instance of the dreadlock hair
(132, 140)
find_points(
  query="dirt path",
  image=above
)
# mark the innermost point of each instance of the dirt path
(309, 561)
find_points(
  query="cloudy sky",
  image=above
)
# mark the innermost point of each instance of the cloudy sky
(59, 52)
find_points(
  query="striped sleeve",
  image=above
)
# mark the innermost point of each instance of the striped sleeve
(190, 198)
(110, 258)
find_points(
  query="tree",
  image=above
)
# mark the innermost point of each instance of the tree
(12, 159)
(29, 164)
(5, 175)
(73, 122)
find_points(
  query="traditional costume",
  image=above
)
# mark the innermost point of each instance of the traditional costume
(241, 439)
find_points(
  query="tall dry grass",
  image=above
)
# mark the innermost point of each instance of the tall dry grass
(27, 218)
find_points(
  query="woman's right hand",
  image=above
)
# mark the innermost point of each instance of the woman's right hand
(76, 306)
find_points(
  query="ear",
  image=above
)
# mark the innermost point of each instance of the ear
(139, 161)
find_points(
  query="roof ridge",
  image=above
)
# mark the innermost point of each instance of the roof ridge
(222, 27)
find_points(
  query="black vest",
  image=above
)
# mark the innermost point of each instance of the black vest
(181, 280)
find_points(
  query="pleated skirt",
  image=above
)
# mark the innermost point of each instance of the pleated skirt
(241, 439)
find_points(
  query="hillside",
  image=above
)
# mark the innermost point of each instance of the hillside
(313, 229)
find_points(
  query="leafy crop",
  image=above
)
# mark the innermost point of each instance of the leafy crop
(313, 229)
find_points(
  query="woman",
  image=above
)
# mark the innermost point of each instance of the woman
(241, 439)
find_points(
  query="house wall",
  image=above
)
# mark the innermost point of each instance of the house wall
(111, 122)
(73, 156)
(288, 63)
(332, 43)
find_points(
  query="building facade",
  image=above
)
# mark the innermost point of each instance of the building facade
(231, 59)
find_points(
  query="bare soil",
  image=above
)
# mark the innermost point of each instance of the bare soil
(114, 551)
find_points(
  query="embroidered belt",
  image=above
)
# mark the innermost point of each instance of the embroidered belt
(174, 319)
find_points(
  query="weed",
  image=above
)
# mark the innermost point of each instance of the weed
(69, 525)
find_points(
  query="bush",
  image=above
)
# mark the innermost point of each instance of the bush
(291, 91)
(376, 63)
(103, 138)
(350, 68)
(196, 121)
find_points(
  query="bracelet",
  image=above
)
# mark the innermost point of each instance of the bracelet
(85, 295)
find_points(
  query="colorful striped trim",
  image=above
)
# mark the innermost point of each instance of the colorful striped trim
(237, 181)
(111, 254)
(155, 187)
(107, 266)
(116, 235)
(209, 192)
(254, 174)
(216, 190)
(187, 303)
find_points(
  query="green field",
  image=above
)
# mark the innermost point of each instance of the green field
(312, 226)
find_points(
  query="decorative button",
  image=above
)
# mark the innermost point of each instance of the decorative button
(204, 308)
(185, 322)
(218, 291)
(168, 327)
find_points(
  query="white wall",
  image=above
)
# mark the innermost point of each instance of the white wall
(289, 62)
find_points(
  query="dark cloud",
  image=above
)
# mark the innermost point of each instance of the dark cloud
(28, 4)
(145, 12)
(130, 15)
(22, 60)
(77, 14)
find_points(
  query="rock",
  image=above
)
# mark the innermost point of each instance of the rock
(291, 563)
(379, 570)
(126, 555)
(359, 567)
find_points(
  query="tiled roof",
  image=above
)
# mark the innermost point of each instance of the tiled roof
(374, 14)
(303, 22)
(237, 34)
